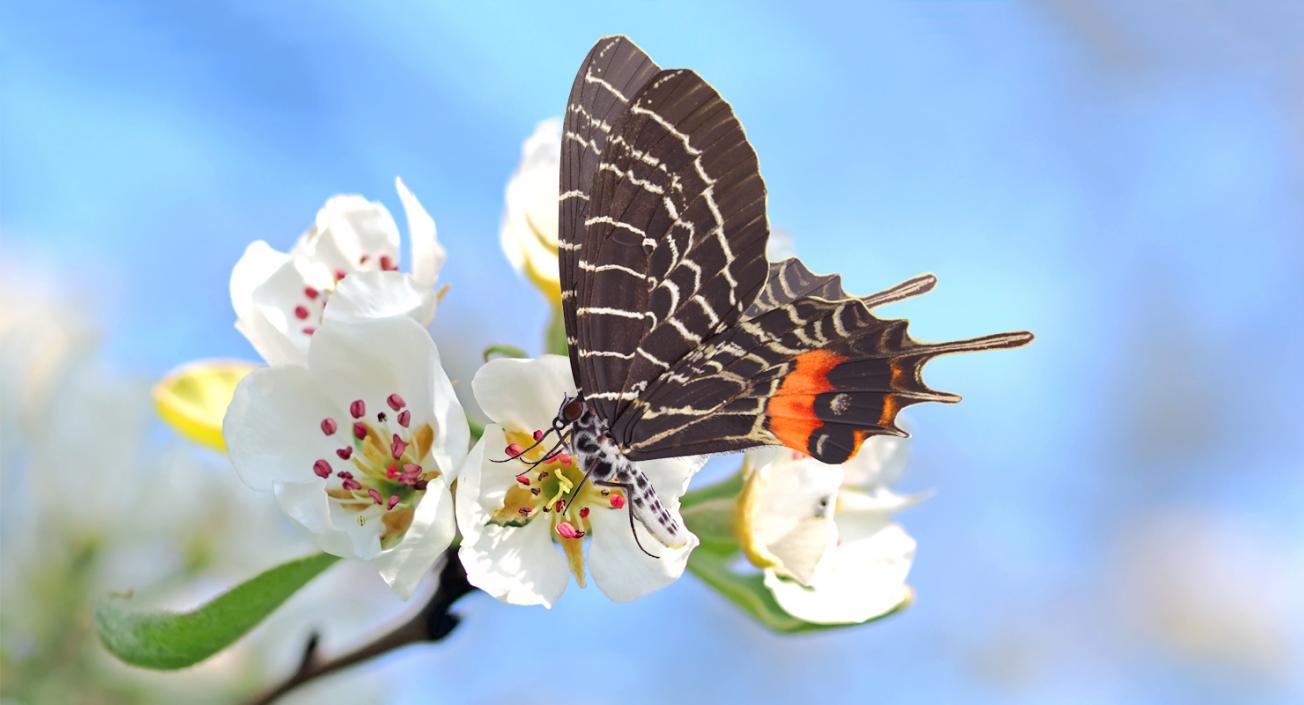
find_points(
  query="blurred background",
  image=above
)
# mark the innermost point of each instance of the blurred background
(1118, 508)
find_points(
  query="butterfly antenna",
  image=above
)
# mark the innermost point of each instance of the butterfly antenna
(537, 442)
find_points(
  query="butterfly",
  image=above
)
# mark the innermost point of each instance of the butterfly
(684, 339)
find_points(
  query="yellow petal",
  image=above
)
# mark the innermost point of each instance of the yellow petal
(748, 508)
(192, 399)
(543, 275)
(574, 549)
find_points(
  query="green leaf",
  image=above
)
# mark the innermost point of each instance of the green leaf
(477, 429)
(554, 339)
(727, 488)
(171, 640)
(748, 592)
(711, 512)
(713, 523)
(503, 350)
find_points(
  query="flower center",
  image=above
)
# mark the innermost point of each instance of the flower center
(385, 469)
(546, 489)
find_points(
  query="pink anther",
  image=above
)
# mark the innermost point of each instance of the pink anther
(322, 468)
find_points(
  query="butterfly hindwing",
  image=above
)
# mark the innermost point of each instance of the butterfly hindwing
(810, 368)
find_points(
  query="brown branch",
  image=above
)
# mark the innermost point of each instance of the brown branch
(432, 623)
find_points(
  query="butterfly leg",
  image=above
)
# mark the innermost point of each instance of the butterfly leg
(576, 492)
(628, 489)
(551, 454)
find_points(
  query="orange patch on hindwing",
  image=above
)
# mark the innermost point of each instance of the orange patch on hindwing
(890, 409)
(791, 410)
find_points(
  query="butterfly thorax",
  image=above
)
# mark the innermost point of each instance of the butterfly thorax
(600, 458)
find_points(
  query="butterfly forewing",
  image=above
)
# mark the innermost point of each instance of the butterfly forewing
(613, 72)
(678, 179)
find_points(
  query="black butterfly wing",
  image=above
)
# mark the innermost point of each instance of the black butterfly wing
(612, 73)
(809, 367)
(683, 337)
(674, 250)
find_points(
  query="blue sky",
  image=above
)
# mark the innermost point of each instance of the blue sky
(1123, 179)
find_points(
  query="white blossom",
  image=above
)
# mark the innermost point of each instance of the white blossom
(522, 535)
(359, 446)
(529, 228)
(349, 259)
(824, 534)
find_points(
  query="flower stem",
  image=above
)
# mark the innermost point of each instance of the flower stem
(431, 624)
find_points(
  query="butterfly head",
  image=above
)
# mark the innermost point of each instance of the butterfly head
(570, 411)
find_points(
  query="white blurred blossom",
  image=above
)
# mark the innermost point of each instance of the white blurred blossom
(93, 506)
(528, 233)
(345, 267)
(824, 534)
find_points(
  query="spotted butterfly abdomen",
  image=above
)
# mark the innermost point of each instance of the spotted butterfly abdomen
(606, 466)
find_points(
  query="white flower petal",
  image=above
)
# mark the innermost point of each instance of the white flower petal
(620, 568)
(861, 579)
(670, 476)
(272, 426)
(760, 456)
(881, 462)
(370, 360)
(493, 478)
(263, 286)
(521, 565)
(404, 565)
(427, 254)
(790, 513)
(271, 342)
(523, 394)
(349, 227)
(255, 267)
(283, 340)
(371, 295)
(334, 529)
(529, 228)
(470, 485)
(880, 501)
